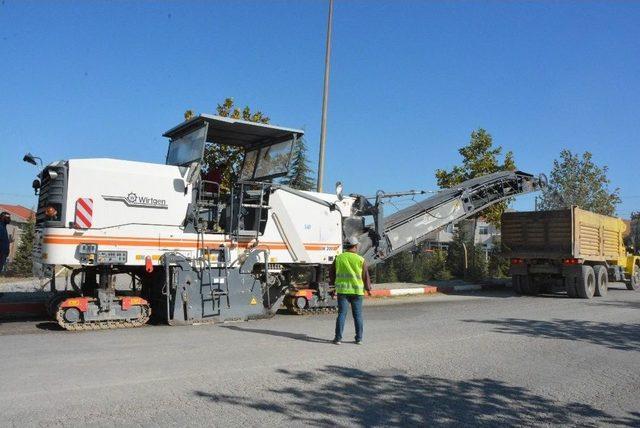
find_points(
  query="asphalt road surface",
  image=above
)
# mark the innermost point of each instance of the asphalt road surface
(483, 359)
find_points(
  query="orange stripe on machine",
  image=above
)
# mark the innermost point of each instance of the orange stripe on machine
(173, 243)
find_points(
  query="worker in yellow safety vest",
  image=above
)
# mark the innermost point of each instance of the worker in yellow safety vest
(350, 276)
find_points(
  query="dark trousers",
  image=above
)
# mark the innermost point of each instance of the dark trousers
(3, 259)
(344, 300)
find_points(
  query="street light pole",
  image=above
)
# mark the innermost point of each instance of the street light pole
(325, 100)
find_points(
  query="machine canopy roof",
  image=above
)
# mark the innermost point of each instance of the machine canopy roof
(234, 132)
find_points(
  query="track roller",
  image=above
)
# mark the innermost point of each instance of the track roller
(83, 313)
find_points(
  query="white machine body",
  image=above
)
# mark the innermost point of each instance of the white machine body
(139, 208)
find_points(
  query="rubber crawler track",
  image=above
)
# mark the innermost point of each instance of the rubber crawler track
(104, 324)
(293, 309)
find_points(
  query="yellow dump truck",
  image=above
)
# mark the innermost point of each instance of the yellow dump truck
(579, 249)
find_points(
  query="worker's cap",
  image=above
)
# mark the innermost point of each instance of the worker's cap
(352, 241)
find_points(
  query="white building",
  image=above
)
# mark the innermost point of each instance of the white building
(487, 236)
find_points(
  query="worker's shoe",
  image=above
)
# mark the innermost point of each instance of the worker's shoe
(358, 342)
(336, 342)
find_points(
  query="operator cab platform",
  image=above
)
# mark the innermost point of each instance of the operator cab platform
(267, 151)
(267, 148)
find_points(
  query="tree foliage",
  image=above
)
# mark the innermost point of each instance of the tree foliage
(456, 252)
(418, 266)
(498, 266)
(576, 180)
(435, 266)
(300, 176)
(478, 266)
(633, 238)
(479, 157)
(22, 263)
(227, 160)
(385, 272)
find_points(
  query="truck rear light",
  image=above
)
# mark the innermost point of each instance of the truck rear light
(517, 261)
(571, 262)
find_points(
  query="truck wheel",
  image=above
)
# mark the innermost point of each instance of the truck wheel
(570, 286)
(533, 284)
(602, 280)
(516, 283)
(634, 282)
(520, 284)
(586, 284)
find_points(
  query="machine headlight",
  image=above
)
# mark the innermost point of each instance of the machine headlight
(51, 212)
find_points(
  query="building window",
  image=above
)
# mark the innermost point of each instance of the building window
(483, 230)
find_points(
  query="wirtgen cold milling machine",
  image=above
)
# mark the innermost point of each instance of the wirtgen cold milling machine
(197, 252)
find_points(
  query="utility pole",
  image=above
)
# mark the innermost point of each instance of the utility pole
(325, 100)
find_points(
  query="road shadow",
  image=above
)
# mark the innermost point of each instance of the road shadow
(18, 318)
(497, 292)
(619, 336)
(623, 304)
(336, 395)
(50, 326)
(288, 335)
(24, 296)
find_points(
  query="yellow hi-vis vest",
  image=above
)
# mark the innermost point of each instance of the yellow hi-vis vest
(349, 274)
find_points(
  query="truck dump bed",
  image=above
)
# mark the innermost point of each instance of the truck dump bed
(570, 233)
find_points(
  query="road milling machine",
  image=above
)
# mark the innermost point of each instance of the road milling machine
(193, 251)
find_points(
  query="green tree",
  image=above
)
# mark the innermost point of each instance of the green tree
(633, 238)
(385, 272)
(22, 263)
(227, 159)
(404, 267)
(189, 114)
(478, 269)
(479, 157)
(576, 180)
(498, 264)
(456, 252)
(436, 266)
(300, 174)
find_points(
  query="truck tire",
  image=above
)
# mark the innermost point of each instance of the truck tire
(533, 285)
(516, 284)
(634, 282)
(570, 286)
(523, 285)
(602, 280)
(586, 284)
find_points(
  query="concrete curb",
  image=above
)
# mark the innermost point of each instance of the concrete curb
(429, 289)
(392, 292)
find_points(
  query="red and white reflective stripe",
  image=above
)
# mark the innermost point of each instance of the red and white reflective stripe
(84, 213)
